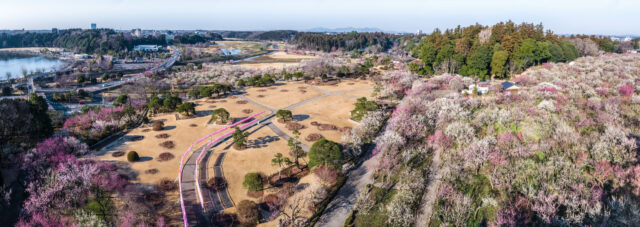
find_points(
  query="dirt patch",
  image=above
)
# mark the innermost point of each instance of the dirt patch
(261, 90)
(146, 130)
(151, 171)
(163, 136)
(351, 83)
(193, 125)
(233, 97)
(222, 101)
(242, 102)
(273, 88)
(313, 137)
(247, 111)
(261, 96)
(210, 101)
(117, 154)
(212, 106)
(324, 127)
(166, 156)
(314, 123)
(256, 195)
(167, 185)
(167, 144)
(345, 129)
(294, 126)
(284, 90)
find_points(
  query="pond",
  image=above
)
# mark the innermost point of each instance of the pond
(14, 65)
(226, 51)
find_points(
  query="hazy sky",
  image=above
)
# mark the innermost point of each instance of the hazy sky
(615, 17)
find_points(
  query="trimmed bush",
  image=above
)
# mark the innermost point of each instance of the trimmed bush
(132, 156)
(285, 115)
(325, 153)
(157, 125)
(220, 115)
(252, 182)
(187, 108)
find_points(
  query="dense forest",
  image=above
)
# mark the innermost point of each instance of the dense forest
(99, 41)
(498, 50)
(344, 41)
(197, 38)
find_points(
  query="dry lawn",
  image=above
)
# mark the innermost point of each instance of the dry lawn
(180, 132)
(335, 110)
(237, 163)
(275, 60)
(277, 99)
(345, 85)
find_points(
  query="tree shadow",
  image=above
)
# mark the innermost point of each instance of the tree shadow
(300, 117)
(133, 137)
(262, 141)
(202, 113)
(167, 128)
(145, 158)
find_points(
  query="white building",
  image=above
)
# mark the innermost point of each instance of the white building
(152, 48)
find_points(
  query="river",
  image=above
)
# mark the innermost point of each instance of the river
(13, 65)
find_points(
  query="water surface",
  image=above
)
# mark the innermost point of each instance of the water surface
(14, 65)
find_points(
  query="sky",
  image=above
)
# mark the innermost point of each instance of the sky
(606, 17)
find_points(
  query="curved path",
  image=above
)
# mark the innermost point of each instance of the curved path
(339, 209)
(216, 201)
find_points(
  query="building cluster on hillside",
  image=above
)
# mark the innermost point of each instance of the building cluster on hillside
(486, 87)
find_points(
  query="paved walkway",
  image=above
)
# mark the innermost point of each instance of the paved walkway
(341, 206)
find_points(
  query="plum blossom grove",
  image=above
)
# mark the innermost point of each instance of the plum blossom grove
(98, 123)
(61, 186)
(231, 74)
(561, 151)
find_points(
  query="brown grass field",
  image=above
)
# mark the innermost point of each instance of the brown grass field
(279, 98)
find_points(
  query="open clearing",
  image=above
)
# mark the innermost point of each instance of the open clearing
(276, 60)
(282, 95)
(263, 145)
(334, 110)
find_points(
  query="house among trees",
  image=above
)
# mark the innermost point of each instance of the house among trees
(509, 86)
(480, 88)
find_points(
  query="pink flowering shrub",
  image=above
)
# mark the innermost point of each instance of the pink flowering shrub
(97, 124)
(626, 89)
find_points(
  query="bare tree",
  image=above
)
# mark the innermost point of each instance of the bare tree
(585, 47)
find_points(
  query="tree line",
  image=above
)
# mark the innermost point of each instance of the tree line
(95, 41)
(197, 38)
(344, 41)
(483, 51)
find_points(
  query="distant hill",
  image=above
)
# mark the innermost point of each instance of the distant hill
(344, 30)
